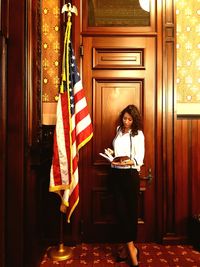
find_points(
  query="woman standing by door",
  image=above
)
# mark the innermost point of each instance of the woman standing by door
(128, 145)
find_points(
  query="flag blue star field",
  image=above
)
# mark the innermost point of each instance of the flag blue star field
(73, 130)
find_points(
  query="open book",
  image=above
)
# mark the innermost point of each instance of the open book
(107, 155)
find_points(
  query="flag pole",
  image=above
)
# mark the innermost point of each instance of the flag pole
(62, 252)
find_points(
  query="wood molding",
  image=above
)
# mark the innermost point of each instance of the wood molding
(4, 18)
(168, 117)
(16, 125)
(3, 141)
(34, 68)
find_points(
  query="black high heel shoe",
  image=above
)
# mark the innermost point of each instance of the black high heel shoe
(122, 255)
(121, 259)
(138, 253)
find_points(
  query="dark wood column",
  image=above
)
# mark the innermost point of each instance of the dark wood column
(3, 130)
(168, 120)
(2, 146)
(15, 147)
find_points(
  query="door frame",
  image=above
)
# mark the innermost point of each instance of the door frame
(101, 71)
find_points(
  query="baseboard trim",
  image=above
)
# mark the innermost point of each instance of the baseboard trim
(173, 239)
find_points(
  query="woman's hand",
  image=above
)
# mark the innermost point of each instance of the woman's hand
(109, 151)
(63, 208)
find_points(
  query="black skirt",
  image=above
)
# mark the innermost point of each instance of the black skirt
(125, 185)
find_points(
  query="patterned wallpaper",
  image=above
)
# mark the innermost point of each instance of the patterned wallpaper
(50, 49)
(188, 57)
(51, 58)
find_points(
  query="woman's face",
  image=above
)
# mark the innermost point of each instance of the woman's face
(127, 121)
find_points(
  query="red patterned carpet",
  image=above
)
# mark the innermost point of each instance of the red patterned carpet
(151, 255)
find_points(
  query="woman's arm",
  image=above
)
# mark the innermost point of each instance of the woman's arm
(139, 148)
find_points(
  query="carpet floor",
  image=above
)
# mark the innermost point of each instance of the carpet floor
(151, 255)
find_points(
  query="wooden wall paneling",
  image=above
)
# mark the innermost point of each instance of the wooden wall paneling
(187, 174)
(3, 117)
(15, 161)
(168, 119)
(33, 132)
(180, 146)
(34, 69)
(3, 132)
(159, 124)
(182, 186)
(194, 167)
(4, 18)
(76, 29)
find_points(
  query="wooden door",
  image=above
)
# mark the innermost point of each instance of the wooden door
(117, 71)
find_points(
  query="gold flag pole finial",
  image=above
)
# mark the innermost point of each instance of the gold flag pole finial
(69, 9)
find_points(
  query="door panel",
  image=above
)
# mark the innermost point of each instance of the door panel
(116, 72)
(110, 97)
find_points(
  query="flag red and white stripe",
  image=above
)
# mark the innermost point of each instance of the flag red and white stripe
(73, 130)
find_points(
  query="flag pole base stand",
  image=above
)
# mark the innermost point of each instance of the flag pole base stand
(59, 253)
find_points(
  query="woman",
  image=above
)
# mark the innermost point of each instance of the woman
(129, 145)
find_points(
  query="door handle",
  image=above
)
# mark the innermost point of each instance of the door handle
(148, 178)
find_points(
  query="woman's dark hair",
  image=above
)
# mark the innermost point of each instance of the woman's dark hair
(133, 111)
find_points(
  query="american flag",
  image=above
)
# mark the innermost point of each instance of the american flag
(73, 130)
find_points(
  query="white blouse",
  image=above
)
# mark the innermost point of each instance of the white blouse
(131, 146)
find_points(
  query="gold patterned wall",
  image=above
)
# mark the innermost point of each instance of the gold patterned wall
(51, 58)
(188, 56)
